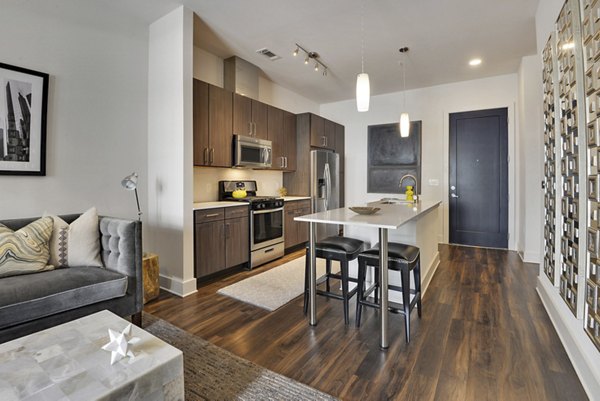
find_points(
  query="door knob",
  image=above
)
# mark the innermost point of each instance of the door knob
(454, 195)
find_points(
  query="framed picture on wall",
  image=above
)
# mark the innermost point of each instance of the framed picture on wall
(23, 107)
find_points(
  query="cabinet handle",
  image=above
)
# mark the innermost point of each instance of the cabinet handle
(285, 162)
(250, 128)
(212, 155)
(253, 129)
(211, 215)
(205, 155)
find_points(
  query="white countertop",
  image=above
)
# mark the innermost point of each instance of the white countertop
(390, 216)
(216, 205)
(295, 198)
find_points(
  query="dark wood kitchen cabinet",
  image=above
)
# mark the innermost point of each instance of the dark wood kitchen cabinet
(297, 181)
(282, 134)
(296, 232)
(289, 138)
(210, 248)
(213, 108)
(222, 239)
(322, 132)
(340, 144)
(250, 117)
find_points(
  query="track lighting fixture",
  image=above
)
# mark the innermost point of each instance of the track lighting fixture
(314, 56)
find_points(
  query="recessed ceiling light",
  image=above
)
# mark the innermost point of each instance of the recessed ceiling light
(475, 62)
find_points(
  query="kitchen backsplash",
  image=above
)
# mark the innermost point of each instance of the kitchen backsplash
(206, 181)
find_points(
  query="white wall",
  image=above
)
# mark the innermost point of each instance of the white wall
(530, 159)
(170, 158)
(583, 354)
(97, 113)
(432, 106)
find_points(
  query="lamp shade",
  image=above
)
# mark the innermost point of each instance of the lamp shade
(363, 92)
(130, 182)
(404, 125)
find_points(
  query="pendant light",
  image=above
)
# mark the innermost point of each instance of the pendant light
(404, 118)
(363, 88)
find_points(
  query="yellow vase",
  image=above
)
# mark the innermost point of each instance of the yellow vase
(409, 193)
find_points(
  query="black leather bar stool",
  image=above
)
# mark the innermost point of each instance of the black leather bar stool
(402, 258)
(342, 249)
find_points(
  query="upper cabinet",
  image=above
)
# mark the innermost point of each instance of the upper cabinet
(340, 143)
(219, 114)
(250, 117)
(201, 141)
(289, 140)
(282, 134)
(212, 125)
(322, 132)
(312, 132)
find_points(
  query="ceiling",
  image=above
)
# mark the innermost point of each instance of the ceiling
(443, 35)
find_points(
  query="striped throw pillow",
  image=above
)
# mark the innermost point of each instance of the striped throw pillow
(25, 250)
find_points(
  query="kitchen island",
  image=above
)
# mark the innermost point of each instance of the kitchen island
(415, 224)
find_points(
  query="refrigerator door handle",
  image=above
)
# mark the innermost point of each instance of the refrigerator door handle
(327, 175)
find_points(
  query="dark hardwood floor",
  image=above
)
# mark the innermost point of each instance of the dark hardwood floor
(484, 335)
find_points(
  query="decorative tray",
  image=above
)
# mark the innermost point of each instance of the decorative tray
(364, 209)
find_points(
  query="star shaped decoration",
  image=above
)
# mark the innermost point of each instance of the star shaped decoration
(119, 344)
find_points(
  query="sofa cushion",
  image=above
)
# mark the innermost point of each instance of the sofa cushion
(25, 250)
(76, 244)
(25, 298)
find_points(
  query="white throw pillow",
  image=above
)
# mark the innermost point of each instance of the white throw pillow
(76, 244)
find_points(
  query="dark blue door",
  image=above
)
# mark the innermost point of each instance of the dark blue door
(478, 195)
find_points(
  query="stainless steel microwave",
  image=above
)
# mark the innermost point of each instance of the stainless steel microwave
(252, 152)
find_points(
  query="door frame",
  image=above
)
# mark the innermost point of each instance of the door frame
(512, 123)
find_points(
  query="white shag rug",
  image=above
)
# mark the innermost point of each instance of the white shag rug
(276, 287)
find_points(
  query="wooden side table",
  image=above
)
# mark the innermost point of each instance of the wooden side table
(150, 272)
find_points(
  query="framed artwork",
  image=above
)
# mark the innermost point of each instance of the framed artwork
(390, 157)
(23, 107)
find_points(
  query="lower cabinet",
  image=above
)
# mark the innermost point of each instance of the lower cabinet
(222, 239)
(296, 232)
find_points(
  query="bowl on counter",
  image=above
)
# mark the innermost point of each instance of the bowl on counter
(365, 210)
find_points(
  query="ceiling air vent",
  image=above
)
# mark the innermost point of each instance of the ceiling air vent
(268, 53)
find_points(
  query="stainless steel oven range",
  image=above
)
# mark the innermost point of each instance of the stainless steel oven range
(266, 220)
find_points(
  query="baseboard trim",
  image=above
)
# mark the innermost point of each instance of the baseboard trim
(435, 263)
(583, 354)
(177, 286)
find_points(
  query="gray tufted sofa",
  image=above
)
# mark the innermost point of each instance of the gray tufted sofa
(33, 302)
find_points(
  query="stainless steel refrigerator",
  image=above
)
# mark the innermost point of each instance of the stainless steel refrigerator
(325, 187)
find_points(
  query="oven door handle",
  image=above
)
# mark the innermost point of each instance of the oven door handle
(279, 209)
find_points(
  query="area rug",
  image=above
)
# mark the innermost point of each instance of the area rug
(276, 287)
(212, 373)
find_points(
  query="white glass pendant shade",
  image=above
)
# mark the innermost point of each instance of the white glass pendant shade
(404, 125)
(363, 92)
